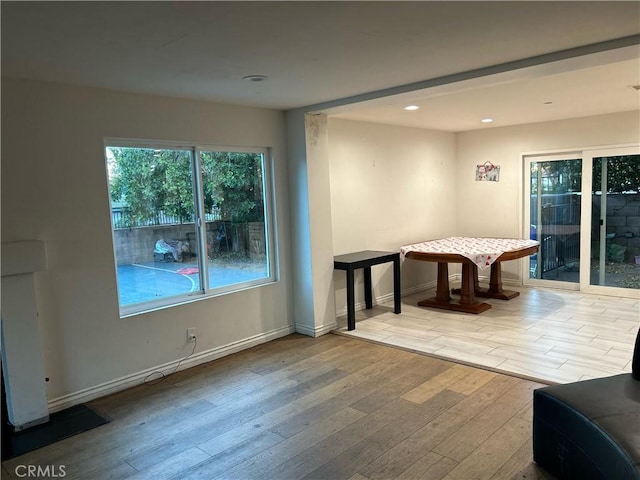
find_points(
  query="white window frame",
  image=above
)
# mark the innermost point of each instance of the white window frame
(205, 291)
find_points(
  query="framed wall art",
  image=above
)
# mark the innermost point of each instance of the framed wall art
(487, 172)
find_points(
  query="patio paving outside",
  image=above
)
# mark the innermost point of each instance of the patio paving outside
(620, 275)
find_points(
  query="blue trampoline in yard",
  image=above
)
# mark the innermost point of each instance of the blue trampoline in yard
(148, 281)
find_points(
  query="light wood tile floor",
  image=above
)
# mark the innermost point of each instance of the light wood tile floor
(547, 335)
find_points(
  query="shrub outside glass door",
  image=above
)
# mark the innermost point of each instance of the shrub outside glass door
(615, 221)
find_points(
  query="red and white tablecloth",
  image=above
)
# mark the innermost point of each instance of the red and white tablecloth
(481, 251)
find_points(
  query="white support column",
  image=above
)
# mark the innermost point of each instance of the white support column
(22, 359)
(320, 224)
(312, 238)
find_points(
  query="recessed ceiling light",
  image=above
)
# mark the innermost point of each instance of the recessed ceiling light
(411, 107)
(487, 120)
(255, 78)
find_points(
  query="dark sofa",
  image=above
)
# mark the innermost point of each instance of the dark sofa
(590, 430)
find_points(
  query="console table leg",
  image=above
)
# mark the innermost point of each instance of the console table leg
(368, 296)
(396, 285)
(351, 305)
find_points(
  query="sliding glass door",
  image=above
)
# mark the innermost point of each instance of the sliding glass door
(614, 223)
(584, 209)
(554, 193)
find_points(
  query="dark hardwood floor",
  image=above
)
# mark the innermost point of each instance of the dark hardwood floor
(303, 408)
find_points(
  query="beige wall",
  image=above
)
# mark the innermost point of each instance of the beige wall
(390, 186)
(54, 189)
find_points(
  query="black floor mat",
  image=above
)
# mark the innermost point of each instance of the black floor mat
(63, 424)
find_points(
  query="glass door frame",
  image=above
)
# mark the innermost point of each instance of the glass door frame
(528, 159)
(586, 154)
(585, 239)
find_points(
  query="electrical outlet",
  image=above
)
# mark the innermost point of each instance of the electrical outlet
(191, 334)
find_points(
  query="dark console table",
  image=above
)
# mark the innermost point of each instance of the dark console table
(366, 259)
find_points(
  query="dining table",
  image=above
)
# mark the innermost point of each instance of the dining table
(474, 253)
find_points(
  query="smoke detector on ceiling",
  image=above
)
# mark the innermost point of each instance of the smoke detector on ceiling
(255, 78)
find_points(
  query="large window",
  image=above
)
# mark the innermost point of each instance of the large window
(188, 221)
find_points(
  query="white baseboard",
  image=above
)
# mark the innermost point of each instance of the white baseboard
(317, 331)
(416, 289)
(134, 379)
(389, 297)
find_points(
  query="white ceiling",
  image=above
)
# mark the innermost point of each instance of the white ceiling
(316, 52)
(576, 93)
